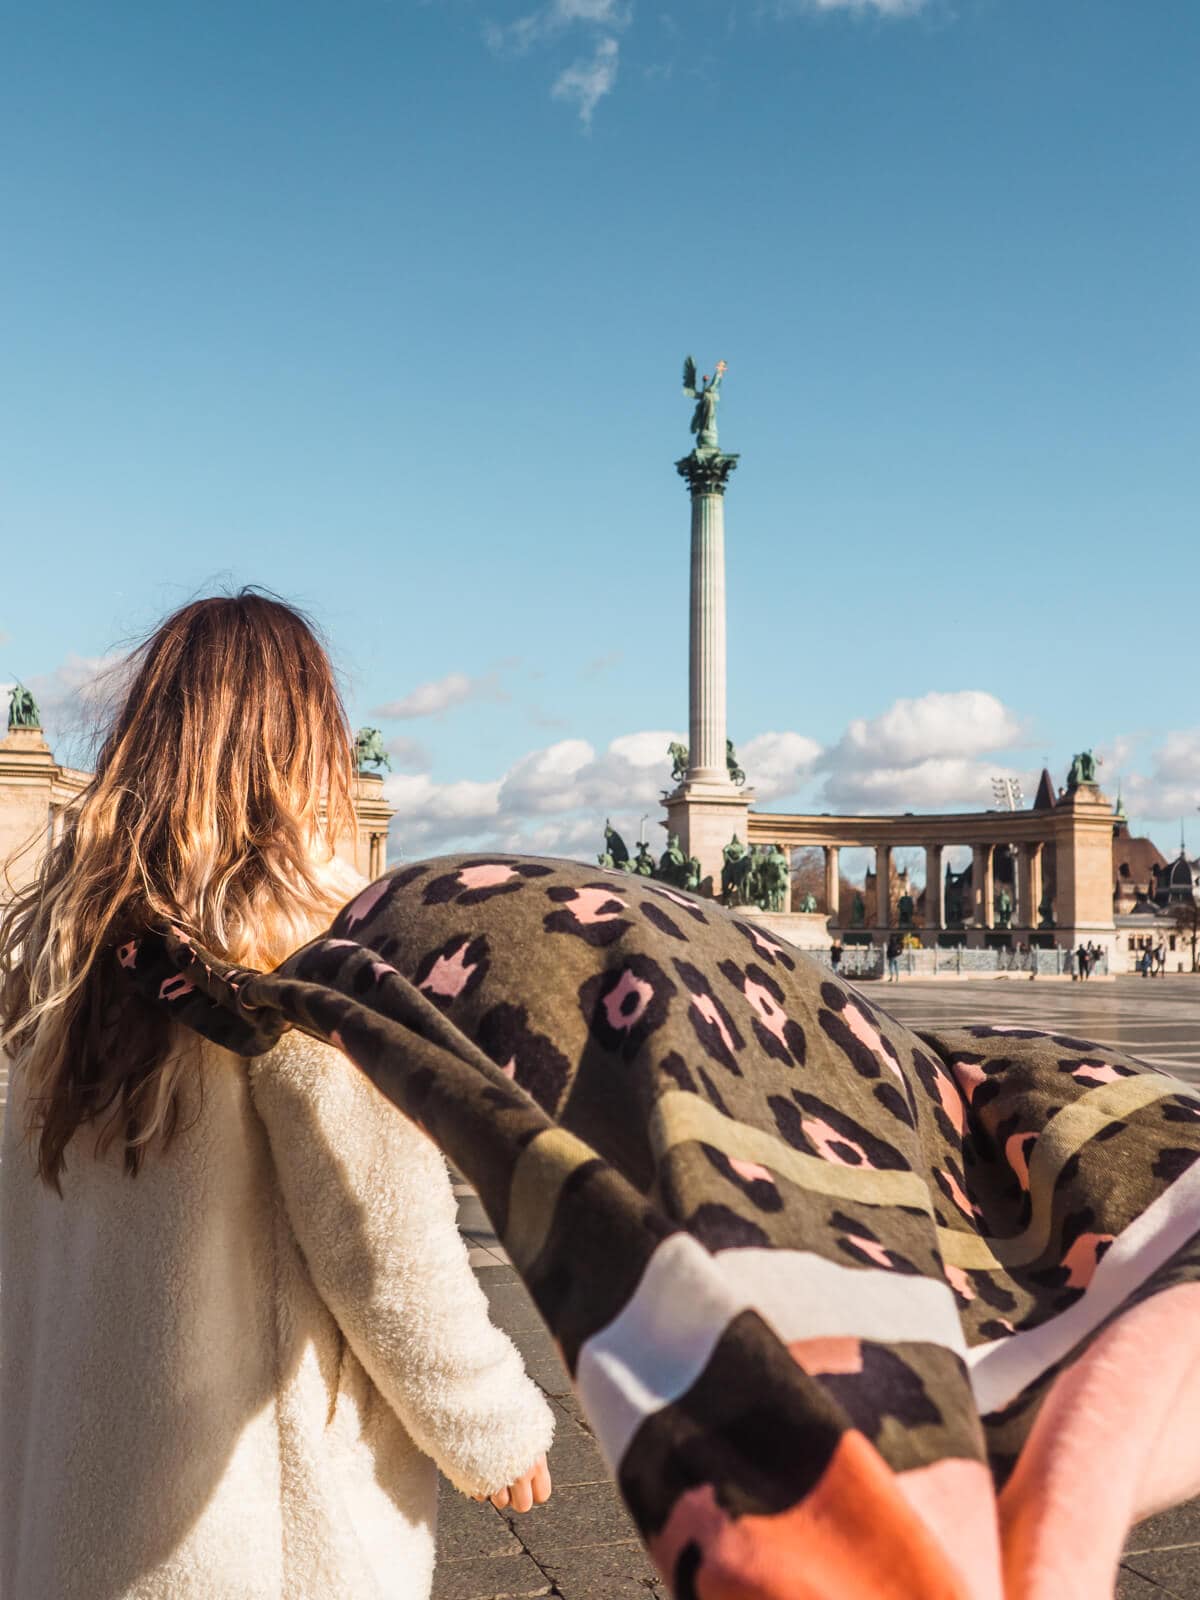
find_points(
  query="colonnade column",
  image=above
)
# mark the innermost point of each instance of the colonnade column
(935, 888)
(833, 882)
(883, 885)
(1033, 879)
(983, 887)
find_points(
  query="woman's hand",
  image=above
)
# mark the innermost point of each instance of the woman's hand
(529, 1490)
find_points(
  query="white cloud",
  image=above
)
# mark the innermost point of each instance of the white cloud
(431, 699)
(587, 82)
(882, 8)
(410, 755)
(76, 700)
(939, 783)
(777, 764)
(1171, 789)
(963, 722)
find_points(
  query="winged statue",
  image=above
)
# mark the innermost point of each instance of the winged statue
(706, 393)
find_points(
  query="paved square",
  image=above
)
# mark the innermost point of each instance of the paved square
(582, 1545)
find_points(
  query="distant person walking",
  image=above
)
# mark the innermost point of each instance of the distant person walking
(1160, 958)
(835, 956)
(1081, 960)
(893, 958)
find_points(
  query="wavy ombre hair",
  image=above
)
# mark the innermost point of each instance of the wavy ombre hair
(222, 784)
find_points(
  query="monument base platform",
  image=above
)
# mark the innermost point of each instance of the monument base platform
(706, 816)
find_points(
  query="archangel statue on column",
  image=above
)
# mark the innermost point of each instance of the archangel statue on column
(706, 393)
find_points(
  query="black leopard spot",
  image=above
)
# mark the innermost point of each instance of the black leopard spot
(624, 1005)
(710, 1020)
(530, 1057)
(719, 1228)
(1172, 1163)
(676, 1069)
(659, 919)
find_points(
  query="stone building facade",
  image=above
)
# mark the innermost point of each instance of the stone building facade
(36, 791)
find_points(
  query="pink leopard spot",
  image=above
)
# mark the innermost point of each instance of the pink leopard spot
(706, 1006)
(1082, 1259)
(127, 954)
(366, 902)
(591, 906)
(866, 1034)
(750, 1171)
(833, 1146)
(488, 876)
(952, 1103)
(381, 970)
(669, 894)
(872, 1248)
(960, 1283)
(614, 1004)
(1016, 1153)
(958, 1195)
(450, 974)
(336, 1041)
(509, 1069)
(968, 1075)
(773, 1016)
(832, 1357)
(1095, 1072)
(175, 988)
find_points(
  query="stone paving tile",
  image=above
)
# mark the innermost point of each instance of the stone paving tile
(581, 1516)
(616, 1572)
(494, 1578)
(468, 1529)
(1180, 1525)
(1176, 1571)
(1132, 1587)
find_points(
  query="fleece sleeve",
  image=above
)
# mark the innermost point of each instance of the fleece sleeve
(370, 1201)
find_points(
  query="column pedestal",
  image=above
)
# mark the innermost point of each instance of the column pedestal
(706, 816)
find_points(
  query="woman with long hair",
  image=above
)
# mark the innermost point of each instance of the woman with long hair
(238, 1327)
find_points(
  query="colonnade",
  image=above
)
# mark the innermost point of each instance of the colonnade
(981, 913)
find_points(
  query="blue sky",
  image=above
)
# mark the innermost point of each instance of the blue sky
(383, 305)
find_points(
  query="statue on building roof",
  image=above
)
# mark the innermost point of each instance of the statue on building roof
(679, 760)
(643, 863)
(369, 751)
(706, 393)
(1083, 770)
(22, 708)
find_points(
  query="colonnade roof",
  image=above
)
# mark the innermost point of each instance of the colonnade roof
(924, 828)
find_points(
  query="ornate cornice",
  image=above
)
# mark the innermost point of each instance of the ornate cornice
(706, 471)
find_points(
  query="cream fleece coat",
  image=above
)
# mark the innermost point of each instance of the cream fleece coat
(230, 1377)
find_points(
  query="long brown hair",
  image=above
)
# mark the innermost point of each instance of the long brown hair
(222, 784)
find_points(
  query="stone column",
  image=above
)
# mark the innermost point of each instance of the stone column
(833, 883)
(983, 889)
(707, 473)
(935, 889)
(1033, 876)
(883, 885)
(707, 808)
